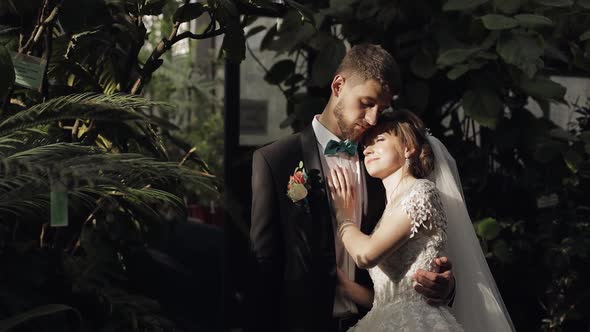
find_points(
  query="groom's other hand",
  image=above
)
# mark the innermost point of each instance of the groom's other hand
(438, 287)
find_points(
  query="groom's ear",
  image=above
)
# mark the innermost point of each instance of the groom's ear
(337, 85)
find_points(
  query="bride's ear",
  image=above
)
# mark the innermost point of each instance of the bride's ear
(409, 152)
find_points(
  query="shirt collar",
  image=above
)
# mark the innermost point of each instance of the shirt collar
(322, 134)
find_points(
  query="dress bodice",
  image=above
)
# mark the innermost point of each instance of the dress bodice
(396, 305)
(393, 277)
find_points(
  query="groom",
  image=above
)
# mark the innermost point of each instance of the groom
(301, 266)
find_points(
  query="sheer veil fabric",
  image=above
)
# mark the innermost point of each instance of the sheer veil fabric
(478, 305)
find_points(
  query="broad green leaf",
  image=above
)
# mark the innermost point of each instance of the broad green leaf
(268, 39)
(291, 33)
(563, 135)
(546, 150)
(522, 51)
(233, 47)
(269, 5)
(81, 15)
(483, 105)
(153, 7)
(305, 13)
(501, 251)
(457, 71)
(543, 88)
(280, 71)
(581, 60)
(229, 7)
(423, 65)
(116, 3)
(555, 3)
(508, 6)
(461, 69)
(488, 228)
(326, 62)
(304, 108)
(342, 9)
(573, 160)
(585, 36)
(320, 40)
(532, 21)
(27, 316)
(490, 40)
(7, 74)
(188, 12)
(455, 56)
(387, 15)
(342, 4)
(418, 94)
(487, 56)
(367, 9)
(294, 79)
(24, 9)
(462, 4)
(556, 52)
(254, 30)
(498, 22)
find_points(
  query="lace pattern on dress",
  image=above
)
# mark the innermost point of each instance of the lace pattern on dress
(424, 206)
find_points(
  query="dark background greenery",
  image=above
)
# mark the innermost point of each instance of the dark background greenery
(128, 260)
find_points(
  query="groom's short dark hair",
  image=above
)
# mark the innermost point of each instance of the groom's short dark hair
(372, 62)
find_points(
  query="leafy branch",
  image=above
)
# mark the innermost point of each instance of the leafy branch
(154, 61)
(44, 23)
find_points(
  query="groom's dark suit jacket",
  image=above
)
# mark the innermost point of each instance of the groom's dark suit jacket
(293, 244)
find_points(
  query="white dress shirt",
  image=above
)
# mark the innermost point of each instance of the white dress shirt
(342, 306)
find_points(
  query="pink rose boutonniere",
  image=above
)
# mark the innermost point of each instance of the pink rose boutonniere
(298, 187)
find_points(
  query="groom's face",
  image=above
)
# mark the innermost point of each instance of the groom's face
(358, 106)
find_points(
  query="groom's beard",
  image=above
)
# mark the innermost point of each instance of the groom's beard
(346, 130)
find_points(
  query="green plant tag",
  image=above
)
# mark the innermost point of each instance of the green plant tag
(59, 205)
(29, 70)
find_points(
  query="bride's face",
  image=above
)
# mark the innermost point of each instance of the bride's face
(383, 155)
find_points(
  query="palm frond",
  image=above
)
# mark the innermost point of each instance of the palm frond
(114, 107)
(91, 173)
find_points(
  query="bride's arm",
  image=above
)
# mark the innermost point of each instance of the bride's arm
(367, 251)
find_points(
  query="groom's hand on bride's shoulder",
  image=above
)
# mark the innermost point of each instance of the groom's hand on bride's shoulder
(438, 287)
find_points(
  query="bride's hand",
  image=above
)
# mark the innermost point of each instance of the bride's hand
(342, 192)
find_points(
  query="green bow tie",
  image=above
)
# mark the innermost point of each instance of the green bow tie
(335, 147)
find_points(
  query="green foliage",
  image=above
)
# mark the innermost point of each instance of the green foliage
(188, 12)
(123, 158)
(6, 71)
(8, 324)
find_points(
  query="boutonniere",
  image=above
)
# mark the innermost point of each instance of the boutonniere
(298, 186)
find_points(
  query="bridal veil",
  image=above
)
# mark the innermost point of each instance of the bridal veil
(478, 305)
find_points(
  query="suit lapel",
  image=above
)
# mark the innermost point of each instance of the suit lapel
(318, 198)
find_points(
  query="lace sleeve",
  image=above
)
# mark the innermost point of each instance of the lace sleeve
(424, 207)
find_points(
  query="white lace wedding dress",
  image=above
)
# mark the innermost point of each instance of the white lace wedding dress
(397, 306)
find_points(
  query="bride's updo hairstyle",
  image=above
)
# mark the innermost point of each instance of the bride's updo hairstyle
(412, 134)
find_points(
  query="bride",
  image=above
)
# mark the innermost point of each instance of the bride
(425, 218)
